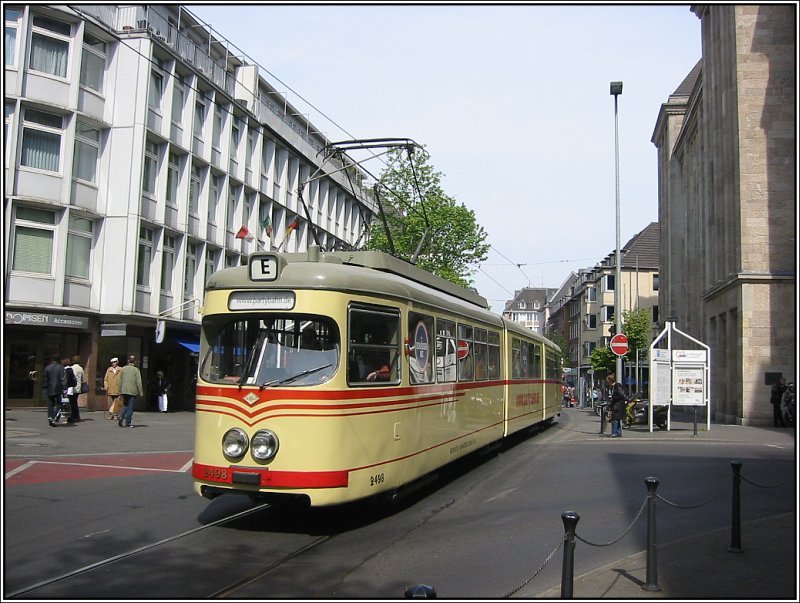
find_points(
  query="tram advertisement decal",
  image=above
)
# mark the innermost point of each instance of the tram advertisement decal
(420, 362)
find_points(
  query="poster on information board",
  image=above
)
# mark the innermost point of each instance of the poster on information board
(688, 386)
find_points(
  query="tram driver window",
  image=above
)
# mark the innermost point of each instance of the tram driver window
(374, 345)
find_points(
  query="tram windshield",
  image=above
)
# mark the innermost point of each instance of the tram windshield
(285, 350)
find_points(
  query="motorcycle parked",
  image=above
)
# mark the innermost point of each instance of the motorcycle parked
(636, 413)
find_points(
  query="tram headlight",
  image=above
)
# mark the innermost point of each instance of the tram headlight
(264, 445)
(234, 443)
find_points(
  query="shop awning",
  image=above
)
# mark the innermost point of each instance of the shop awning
(193, 345)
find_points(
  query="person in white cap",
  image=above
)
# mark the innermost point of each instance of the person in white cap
(111, 385)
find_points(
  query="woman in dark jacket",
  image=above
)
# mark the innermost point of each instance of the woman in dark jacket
(618, 400)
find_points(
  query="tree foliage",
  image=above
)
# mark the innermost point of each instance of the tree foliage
(638, 328)
(558, 338)
(454, 242)
(603, 360)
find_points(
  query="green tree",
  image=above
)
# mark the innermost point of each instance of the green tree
(638, 328)
(558, 338)
(414, 202)
(603, 361)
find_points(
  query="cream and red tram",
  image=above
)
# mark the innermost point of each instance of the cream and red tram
(336, 376)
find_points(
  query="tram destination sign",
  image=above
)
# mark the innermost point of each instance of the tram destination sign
(37, 319)
(261, 300)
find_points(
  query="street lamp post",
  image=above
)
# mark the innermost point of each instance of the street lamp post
(616, 90)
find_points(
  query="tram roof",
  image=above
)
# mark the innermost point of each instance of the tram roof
(375, 260)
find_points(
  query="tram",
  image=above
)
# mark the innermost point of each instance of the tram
(328, 377)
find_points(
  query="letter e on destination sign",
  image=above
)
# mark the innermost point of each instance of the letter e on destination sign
(263, 268)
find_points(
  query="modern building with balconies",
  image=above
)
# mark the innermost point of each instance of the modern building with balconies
(143, 152)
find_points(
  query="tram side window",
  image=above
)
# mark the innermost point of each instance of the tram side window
(445, 351)
(420, 361)
(466, 363)
(516, 359)
(374, 345)
(534, 360)
(494, 355)
(481, 354)
(551, 365)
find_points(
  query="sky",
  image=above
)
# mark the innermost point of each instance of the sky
(512, 102)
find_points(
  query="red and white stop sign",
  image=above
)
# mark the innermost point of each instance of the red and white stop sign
(463, 350)
(619, 344)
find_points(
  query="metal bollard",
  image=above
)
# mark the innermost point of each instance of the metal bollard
(736, 528)
(651, 583)
(602, 418)
(570, 519)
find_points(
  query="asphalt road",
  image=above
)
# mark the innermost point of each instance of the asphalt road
(112, 512)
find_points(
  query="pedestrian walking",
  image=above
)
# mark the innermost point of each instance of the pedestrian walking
(130, 388)
(80, 379)
(775, 398)
(70, 389)
(162, 390)
(55, 383)
(111, 383)
(618, 400)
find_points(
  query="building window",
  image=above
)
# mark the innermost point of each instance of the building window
(49, 46)
(231, 260)
(41, 140)
(194, 191)
(213, 198)
(168, 264)
(656, 282)
(591, 321)
(34, 231)
(191, 271)
(178, 98)
(236, 136)
(145, 256)
(87, 150)
(217, 127)
(522, 305)
(252, 133)
(156, 90)
(233, 195)
(199, 116)
(12, 15)
(607, 313)
(150, 168)
(655, 313)
(173, 175)
(608, 281)
(8, 110)
(79, 247)
(93, 63)
(591, 294)
(211, 264)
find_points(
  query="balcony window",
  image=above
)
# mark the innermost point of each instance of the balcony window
(199, 117)
(168, 263)
(156, 91)
(50, 46)
(173, 175)
(194, 191)
(41, 140)
(12, 15)
(608, 281)
(79, 247)
(150, 168)
(191, 271)
(178, 98)
(34, 232)
(655, 282)
(145, 257)
(93, 63)
(87, 150)
(591, 294)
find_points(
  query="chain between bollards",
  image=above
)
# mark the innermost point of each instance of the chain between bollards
(570, 519)
(651, 584)
(736, 532)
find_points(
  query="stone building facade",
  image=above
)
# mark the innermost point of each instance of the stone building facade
(726, 144)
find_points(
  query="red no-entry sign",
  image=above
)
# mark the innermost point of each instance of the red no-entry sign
(619, 344)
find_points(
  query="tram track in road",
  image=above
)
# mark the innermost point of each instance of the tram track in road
(153, 545)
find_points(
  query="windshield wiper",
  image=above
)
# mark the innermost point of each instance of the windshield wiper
(293, 377)
(250, 356)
